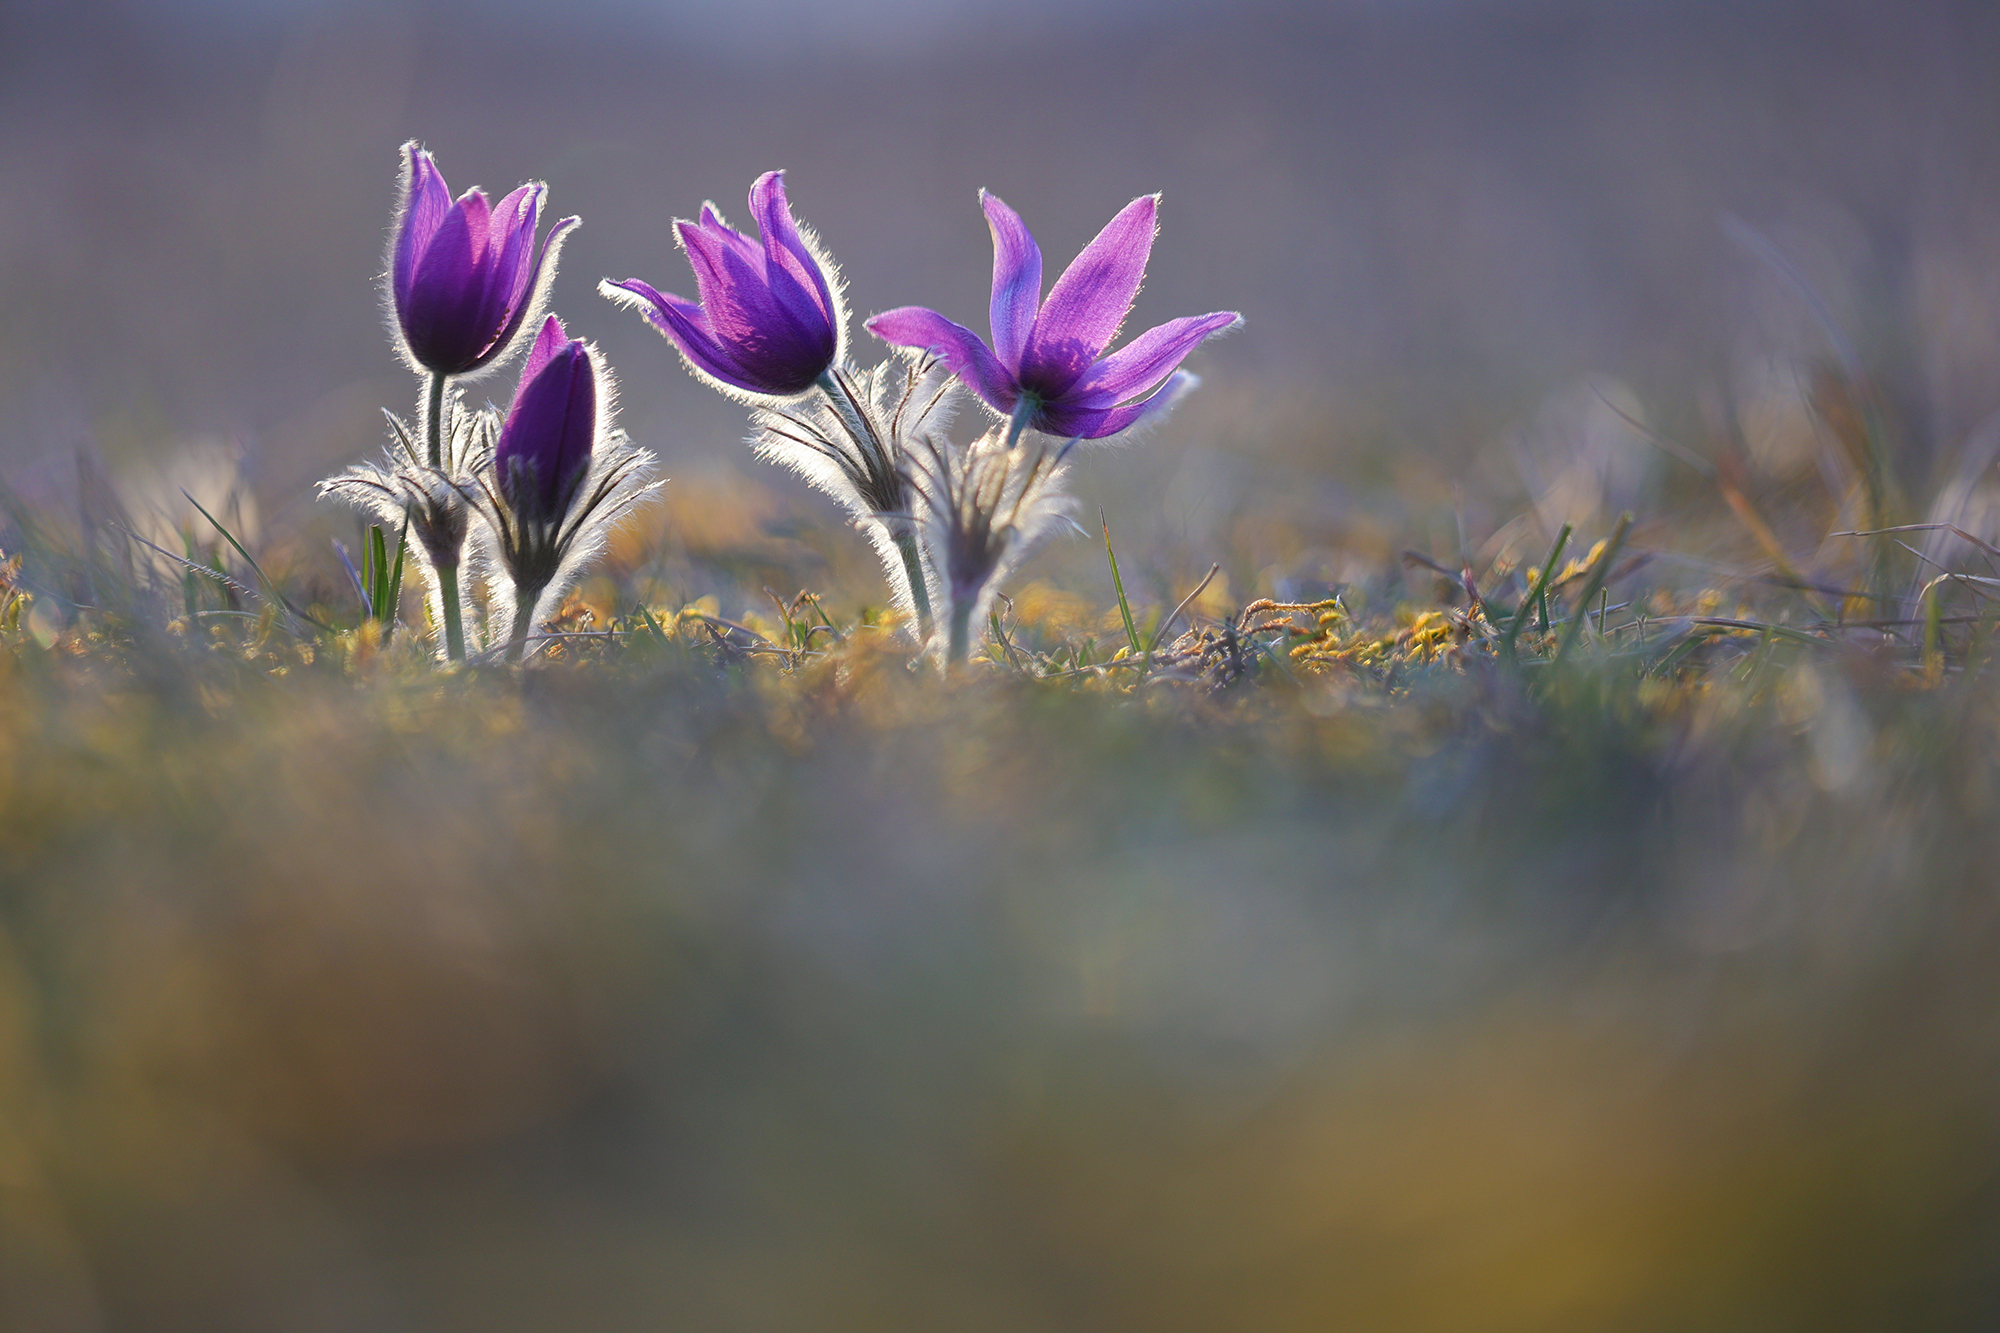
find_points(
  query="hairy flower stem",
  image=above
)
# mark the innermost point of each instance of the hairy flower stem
(434, 421)
(524, 620)
(913, 567)
(842, 398)
(454, 630)
(959, 648)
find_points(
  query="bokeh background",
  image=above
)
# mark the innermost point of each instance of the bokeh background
(1470, 236)
(642, 995)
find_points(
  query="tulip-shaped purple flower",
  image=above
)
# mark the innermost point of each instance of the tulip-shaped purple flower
(1046, 367)
(770, 319)
(466, 275)
(546, 443)
(559, 477)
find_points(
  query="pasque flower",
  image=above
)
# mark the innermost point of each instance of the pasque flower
(404, 488)
(1046, 365)
(770, 319)
(465, 275)
(559, 478)
(986, 507)
(549, 435)
(856, 442)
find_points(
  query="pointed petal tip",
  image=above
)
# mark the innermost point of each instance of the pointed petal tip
(766, 190)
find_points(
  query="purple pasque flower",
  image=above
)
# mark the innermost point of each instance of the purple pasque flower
(770, 319)
(559, 479)
(546, 443)
(466, 275)
(1046, 364)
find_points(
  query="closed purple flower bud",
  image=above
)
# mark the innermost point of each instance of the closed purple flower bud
(546, 443)
(465, 275)
(770, 320)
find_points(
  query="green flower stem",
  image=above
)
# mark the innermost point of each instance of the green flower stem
(434, 421)
(454, 630)
(524, 621)
(960, 646)
(913, 566)
(1024, 408)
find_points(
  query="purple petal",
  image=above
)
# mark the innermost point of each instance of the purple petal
(1094, 423)
(551, 428)
(545, 262)
(770, 325)
(1146, 360)
(1017, 280)
(735, 296)
(1089, 301)
(478, 210)
(960, 348)
(511, 246)
(686, 326)
(548, 342)
(425, 202)
(786, 250)
(712, 223)
(441, 314)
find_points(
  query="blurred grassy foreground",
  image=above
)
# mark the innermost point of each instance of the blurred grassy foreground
(1340, 974)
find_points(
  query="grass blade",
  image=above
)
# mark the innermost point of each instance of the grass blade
(653, 626)
(1598, 573)
(1124, 607)
(393, 601)
(378, 556)
(1540, 595)
(359, 577)
(278, 597)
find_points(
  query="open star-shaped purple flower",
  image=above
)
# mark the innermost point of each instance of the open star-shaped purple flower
(769, 319)
(465, 275)
(1046, 366)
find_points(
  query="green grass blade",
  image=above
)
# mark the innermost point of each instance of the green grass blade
(277, 596)
(1540, 595)
(378, 558)
(358, 577)
(1124, 607)
(1598, 573)
(652, 625)
(394, 600)
(189, 598)
(191, 567)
